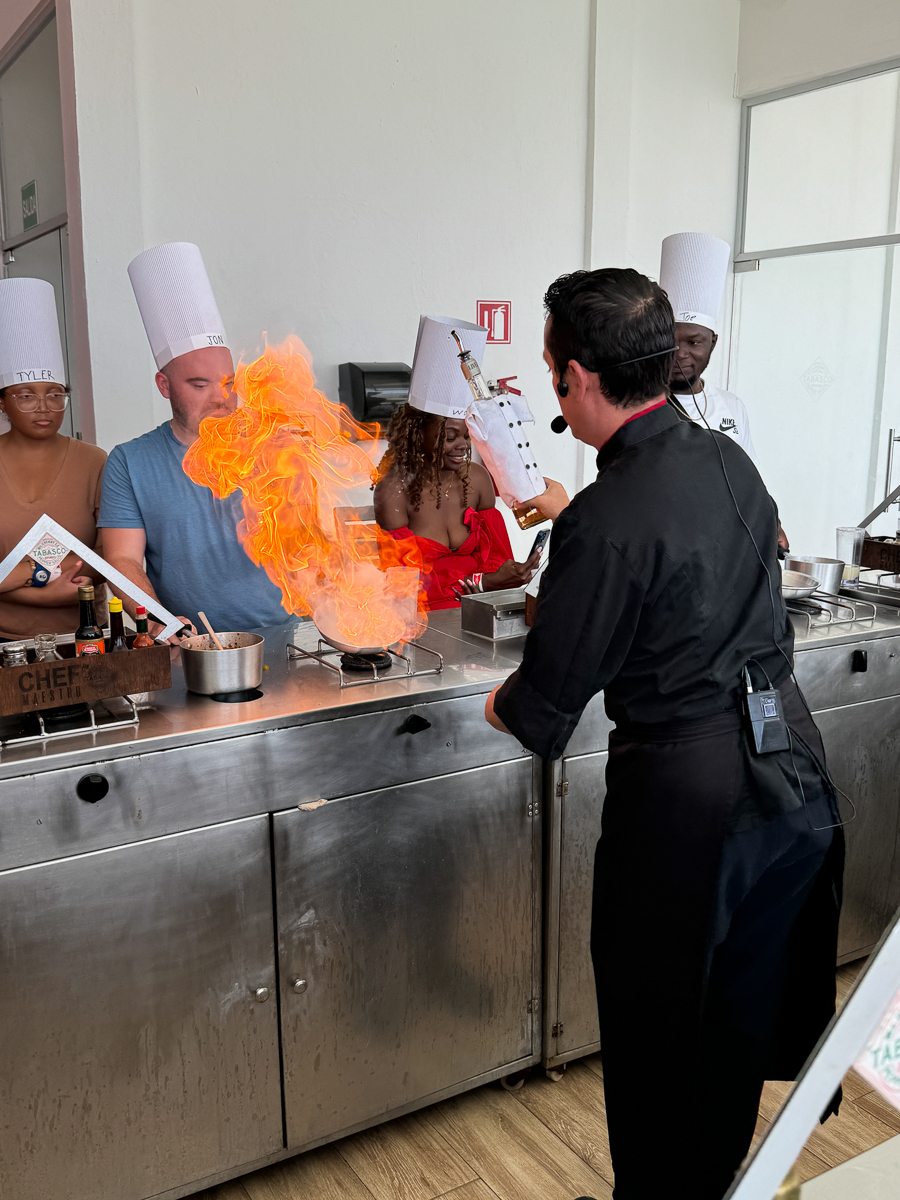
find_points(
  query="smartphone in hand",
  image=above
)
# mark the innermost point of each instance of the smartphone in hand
(539, 542)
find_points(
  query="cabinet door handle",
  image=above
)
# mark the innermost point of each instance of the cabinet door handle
(415, 724)
(859, 660)
(92, 788)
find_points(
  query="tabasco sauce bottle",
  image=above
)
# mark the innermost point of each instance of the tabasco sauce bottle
(88, 635)
(142, 638)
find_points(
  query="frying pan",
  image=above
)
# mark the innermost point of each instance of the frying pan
(797, 586)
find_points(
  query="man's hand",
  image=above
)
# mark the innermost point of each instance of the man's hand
(550, 503)
(156, 629)
(783, 538)
(490, 716)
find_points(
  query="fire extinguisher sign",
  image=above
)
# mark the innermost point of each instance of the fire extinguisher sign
(496, 317)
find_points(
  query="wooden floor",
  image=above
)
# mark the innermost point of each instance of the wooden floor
(546, 1141)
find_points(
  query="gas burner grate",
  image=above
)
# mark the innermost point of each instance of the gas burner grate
(368, 663)
(823, 608)
(90, 723)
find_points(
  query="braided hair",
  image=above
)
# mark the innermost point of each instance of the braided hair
(415, 469)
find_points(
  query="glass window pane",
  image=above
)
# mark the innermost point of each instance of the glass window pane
(820, 165)
(887, 524)
(31, 143)
(805, 361)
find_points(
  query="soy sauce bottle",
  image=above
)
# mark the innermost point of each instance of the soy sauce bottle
(88, 635)
(116, 626)
(142, 637)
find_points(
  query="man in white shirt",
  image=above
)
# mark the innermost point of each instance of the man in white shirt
(704, 402)
(692, 273)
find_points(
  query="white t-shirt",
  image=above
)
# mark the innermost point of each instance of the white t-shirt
(725, 413)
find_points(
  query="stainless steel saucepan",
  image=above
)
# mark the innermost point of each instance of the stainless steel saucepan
(828, 571)
(235, 668)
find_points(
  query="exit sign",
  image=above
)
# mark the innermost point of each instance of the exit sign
(29, 205)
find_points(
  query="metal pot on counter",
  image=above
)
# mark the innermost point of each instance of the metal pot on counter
(237, 667)
(828, 571)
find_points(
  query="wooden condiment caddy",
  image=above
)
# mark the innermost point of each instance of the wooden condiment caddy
(41, 685)
(880, 556)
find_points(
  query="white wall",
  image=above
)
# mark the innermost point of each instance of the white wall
(789, 41)
(347, 166)
(668, 130)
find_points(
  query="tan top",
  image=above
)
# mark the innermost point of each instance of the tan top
(72, 499)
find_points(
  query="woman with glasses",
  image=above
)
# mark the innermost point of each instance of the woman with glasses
(41, 470)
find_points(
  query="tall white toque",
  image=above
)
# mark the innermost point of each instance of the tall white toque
(692, 273)
(437, 384)
(30, 347)
(177, 304)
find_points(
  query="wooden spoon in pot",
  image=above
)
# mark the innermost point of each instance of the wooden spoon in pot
(205, 619)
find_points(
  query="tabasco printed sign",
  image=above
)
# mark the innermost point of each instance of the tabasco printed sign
(496, 317)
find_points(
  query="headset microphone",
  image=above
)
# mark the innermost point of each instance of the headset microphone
(559, 424)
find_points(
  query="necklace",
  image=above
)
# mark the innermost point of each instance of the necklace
(705, 403)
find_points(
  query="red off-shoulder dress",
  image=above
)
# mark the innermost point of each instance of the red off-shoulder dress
(485, 549)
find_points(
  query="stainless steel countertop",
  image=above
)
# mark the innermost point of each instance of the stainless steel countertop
(300, 692)
(303, 692)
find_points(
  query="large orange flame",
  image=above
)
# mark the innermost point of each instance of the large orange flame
(296, 455)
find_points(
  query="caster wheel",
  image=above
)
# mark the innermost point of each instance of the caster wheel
(512, 1083)
(556, 1073)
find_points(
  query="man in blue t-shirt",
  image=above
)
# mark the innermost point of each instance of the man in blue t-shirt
(150, 510)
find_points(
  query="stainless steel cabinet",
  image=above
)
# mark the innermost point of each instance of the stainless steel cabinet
(409, 945)
(575, 790)
(862, 742)
(137, 1051)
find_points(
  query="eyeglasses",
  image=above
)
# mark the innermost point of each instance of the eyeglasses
(29, 402)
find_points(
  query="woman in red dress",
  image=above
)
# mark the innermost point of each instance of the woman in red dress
(428, 488)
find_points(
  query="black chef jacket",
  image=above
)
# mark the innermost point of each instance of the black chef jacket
(711, 882)
(653, 592)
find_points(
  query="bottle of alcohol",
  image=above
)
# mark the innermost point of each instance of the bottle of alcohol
(142, 637)
(116, 626)
(88, 635)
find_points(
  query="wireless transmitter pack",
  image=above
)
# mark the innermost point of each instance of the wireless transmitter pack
(768, 730)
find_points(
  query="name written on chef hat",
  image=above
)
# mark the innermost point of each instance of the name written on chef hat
(437, 384)
(30, 346)
(176, 301)
(692, 273)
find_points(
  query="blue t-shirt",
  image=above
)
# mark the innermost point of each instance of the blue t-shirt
(194, 558)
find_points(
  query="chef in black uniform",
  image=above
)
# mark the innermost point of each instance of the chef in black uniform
(717, 876)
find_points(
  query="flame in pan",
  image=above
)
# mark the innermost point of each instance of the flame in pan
(296, 455)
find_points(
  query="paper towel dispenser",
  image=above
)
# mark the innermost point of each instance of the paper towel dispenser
(373, 390)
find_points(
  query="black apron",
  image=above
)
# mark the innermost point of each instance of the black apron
(714, 938)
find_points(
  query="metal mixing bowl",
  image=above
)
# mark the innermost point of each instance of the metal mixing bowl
(236, 668)
(796, 585)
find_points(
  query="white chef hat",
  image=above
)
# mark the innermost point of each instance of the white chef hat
(692, 273)
(177, 304)
(437, 384)
(30, 348)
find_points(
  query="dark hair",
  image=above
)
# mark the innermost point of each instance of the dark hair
(606, 317)
(406, 454)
